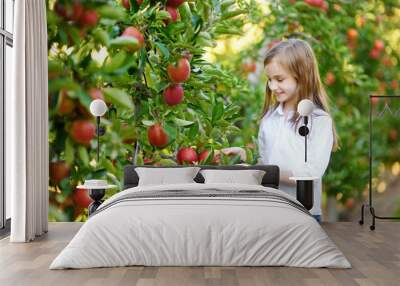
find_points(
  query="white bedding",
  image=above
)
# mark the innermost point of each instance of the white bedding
(183, 231)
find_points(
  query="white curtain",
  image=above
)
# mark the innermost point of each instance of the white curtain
(27, 124)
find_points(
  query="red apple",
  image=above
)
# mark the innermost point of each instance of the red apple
(379, 45)
(77, 11)
(393, 134)
(147, 160)
(134, 33)
(157, 136)
(379, 74)
(180, 72)
(352, 45)
(58, 171)
(293, 26)
(352, 34)
(174, 13)
(175, 3)
(96, 93)
(324, 6)
(203, 155)
(217, 159)
(374, 54)
(65, 104)
(173, 94)
(186, 155)
(386, 61)
(337, 7)
(126, 4)
(318, 3)
(362, 21)
(82, 131)
(273, 43)
(330, 78)
(394, 84)
(249, 67)
(60, 10)
(375, 100)
(187, 55)
(89, 18)
(349, 203)
(81, 198)
(315, 3)
(382, 87)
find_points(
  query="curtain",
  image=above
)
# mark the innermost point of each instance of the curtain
(27, 124)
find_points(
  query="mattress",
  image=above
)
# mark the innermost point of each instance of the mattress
(201, 225)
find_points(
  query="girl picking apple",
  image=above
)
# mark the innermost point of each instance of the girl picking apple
(293, 75)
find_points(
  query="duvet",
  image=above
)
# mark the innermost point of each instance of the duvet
(201, 224)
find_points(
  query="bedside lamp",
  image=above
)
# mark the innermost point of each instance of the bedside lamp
(305, 108)
(304, 185)
(97, 188)
(98, 108)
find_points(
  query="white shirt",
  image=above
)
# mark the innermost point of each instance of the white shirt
(280, 145)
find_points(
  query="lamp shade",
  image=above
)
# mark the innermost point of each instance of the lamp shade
(98, 107)
(305, 107)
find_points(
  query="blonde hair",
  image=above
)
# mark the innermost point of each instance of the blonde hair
(297, 57)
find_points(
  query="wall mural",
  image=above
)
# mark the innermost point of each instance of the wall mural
(184, 79)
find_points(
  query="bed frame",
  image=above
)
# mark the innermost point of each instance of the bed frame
(270, 179)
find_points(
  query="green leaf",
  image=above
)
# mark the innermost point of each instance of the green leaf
(185, 12)
(118, 97)
(226, 4)
(57, 84)
(115, 62)
(55, 66)
(176, 28)
(232, 14)
(193, 131)
(111, 12)
(163, 50)
(217, 112)
(73, 34)
(148, 122)
(171, 131)
(162, 15)
(98, 174)
(83, 155)
(167, 162)
(182, 123)
(69, 151)
(124, 41)
(102, 36)
(84, 98)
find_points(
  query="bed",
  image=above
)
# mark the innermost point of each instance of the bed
(201, 224)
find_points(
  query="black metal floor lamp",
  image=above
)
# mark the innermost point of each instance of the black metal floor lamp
(369, 205)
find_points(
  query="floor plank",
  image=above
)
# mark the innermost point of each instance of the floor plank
(374, 255)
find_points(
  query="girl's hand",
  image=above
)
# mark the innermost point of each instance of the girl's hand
(235, 151)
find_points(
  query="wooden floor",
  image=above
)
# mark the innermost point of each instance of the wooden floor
(375, 257)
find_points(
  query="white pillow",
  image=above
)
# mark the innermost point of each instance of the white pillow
(164, 176)
(249, 177)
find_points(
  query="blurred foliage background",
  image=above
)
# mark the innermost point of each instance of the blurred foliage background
(184, 79)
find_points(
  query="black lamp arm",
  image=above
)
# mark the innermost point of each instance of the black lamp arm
(303, 131)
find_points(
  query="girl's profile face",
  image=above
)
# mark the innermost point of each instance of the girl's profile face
(281, 82)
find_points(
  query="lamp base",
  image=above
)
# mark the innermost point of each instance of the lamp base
(305, 193)
(96, 195)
